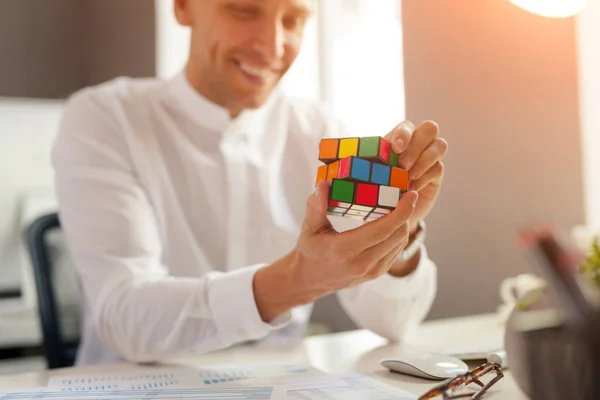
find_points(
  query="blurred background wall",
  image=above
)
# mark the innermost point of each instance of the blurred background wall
(503, 85)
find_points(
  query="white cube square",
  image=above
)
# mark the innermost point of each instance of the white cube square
(388, 196)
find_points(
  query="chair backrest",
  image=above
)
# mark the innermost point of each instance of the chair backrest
(57, 291)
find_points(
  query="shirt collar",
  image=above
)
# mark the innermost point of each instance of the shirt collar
(213, 116)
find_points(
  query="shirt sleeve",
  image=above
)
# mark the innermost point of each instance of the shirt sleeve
(390, 306)
(138, 309)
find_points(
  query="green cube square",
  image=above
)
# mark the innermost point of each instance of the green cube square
(393, 158)
(368, 147)
(342, 190)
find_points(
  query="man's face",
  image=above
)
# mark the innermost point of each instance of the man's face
(240, 49)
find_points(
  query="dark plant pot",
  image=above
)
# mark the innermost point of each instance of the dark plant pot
(548, 360)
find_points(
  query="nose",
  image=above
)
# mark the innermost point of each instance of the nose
(270, 41)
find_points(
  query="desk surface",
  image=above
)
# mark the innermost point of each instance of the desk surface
(354, 351)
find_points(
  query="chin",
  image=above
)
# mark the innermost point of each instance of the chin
(255, 100)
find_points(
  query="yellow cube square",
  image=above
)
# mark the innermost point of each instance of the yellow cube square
(348, 147)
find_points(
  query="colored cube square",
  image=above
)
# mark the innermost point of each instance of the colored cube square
(338, 207)
(332, 170)
(393, 158)
(353, 168)
(380, 174)
(356, 214)
(399, 178)
(380, 210)
(358, 207)
(321, 173)
(366, 194)
(374, 148)
(328, 150)
(348, 147)
(333, 203)
(388, 197)
(342, 191)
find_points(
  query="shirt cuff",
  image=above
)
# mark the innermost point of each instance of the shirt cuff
(393, 287)
(233, 307)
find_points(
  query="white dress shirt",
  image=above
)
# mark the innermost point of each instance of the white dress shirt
(169, 207)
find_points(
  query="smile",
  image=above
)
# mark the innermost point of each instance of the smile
(256, 75)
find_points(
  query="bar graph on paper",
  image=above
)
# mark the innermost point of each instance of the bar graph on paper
(199, 377)
(146, 381)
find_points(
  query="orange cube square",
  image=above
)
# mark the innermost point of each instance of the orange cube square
(332, 170)
(321, 173)
(328, 150)
(399, 178)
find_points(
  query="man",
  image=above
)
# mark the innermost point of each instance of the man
(185, 202)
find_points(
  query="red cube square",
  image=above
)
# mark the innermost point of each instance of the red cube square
(367, 194)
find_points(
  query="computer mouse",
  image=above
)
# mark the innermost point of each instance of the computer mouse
(425, 365)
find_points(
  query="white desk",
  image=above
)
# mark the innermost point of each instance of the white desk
(358, 351)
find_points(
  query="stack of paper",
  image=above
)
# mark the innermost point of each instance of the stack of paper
(251, 382)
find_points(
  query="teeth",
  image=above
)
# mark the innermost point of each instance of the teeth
(256, 72)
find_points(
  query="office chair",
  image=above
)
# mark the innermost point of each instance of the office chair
(59, 344)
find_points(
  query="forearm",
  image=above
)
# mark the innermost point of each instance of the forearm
(147, 321)
(277, 289)
(147, 318)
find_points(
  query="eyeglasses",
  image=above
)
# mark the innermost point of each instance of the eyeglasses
(455, 388)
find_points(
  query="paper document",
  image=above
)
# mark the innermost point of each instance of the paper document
(229, 393)
(345, 387)
(187, 377)
(160, 379)
(252, 381)
(256, 373)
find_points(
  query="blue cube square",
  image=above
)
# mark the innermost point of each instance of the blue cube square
(380, 174)
(361, 169)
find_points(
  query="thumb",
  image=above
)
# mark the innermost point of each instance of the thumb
(316, 209)
(406, 206)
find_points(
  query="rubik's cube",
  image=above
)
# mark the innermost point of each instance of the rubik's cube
(365, 181)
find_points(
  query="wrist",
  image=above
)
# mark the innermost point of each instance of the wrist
(409, 258)
(414, 228)
(276, 290)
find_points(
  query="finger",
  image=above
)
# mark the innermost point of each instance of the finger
(400, 136)
(434, 175)
(381, 256)
(315, 220)
(423, 136)
(431, 155)
(375, 232)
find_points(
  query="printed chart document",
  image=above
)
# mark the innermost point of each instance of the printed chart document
(186, 377)
(159, 379)
(239, 382)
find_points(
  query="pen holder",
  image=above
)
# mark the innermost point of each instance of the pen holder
(549, 360)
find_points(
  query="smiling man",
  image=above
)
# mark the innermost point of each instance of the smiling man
(190, 209)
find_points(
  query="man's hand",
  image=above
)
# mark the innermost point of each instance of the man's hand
(325, 260)
(421, 152)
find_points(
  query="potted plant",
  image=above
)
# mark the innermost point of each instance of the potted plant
(544, 354)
